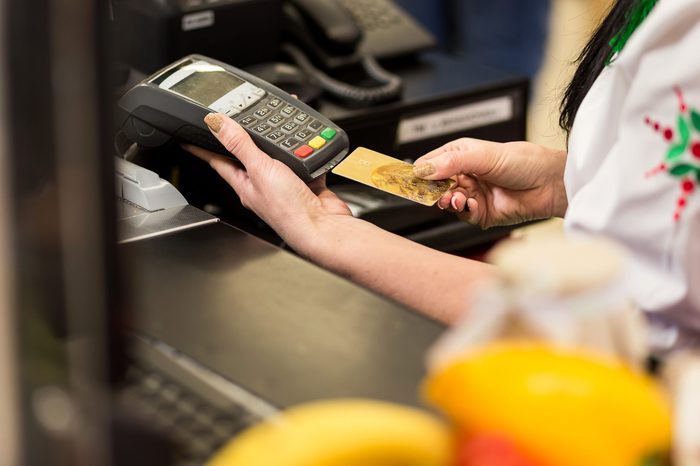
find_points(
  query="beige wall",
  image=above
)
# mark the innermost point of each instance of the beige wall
(571, 23)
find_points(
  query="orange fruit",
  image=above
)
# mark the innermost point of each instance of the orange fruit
(562, 407)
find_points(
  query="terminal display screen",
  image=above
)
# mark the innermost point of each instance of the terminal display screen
(206, 87)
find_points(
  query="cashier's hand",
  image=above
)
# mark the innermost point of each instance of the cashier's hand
(498, 183)
(265, 185)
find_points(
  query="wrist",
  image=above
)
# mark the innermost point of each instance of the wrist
(315, 237)
(560, 202)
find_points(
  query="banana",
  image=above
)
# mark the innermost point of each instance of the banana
(343, 432)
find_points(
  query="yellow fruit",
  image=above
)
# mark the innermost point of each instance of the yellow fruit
(564, 407)
(349, 432)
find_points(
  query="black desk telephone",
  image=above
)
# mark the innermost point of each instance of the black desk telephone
(338, 32)
(326, 39)
(326, 35)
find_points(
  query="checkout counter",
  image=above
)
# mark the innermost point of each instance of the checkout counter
(240, 328)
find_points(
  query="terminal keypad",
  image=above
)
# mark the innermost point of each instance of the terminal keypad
(285, 125)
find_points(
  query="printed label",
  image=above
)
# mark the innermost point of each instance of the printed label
(199, 20)
(456, 119)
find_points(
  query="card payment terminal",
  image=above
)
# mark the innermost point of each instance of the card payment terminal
(172, 104)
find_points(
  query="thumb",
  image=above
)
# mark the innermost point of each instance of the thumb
(453, 163)
(235, 139)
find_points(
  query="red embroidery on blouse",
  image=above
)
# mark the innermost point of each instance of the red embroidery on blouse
(682, 159)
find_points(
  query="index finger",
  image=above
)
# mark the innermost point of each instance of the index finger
(470, 157)
(486, 149)
(235, 139)
(435, 152)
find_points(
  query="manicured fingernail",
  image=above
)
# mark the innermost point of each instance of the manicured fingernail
(214, 121)
(453, 203)
(423, 169)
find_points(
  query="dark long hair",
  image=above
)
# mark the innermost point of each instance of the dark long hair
(592, 60)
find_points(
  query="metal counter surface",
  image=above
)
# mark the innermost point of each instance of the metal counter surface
(276, 324)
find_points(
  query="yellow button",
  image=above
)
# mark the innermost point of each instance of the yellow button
(317, 142)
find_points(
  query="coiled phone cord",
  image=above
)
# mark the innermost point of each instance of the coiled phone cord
(389, 88)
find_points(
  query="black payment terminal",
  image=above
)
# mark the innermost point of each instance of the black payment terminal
(172, 104)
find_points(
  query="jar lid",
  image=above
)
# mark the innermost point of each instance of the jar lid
(558, 265)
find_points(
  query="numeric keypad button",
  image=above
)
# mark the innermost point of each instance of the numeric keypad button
(289, 127)
(247, 121)
(262, 112)
(303, 135)
(289, 110)
(275, 120)
(302, 117)
(290, 143)
(315, 125)
(261, 128)
(275, 135)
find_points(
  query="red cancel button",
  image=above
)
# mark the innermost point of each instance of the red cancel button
(303, 151)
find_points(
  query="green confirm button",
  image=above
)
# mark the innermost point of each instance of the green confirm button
(328, 134)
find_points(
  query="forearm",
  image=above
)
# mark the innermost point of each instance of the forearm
(434, 283)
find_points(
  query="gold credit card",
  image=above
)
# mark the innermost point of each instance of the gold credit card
(391, 175)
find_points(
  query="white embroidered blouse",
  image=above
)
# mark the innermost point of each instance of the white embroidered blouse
(633, 167)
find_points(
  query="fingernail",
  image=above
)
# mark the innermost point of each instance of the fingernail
(453, 203)
(423, 169)
(214, 121)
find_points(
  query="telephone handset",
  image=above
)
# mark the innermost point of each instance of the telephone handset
(325, 26)
(326, 35)
(324, 29)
